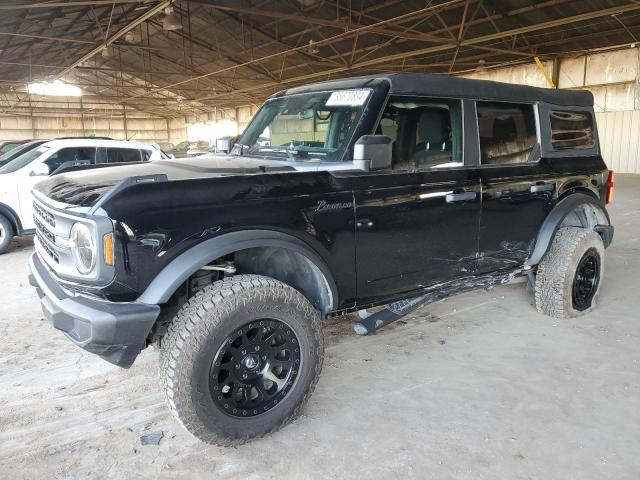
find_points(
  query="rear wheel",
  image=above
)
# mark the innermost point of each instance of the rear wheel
(241, 358)
(6, 234)
(569, 276)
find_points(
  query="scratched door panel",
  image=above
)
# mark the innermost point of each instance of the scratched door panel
(513, 210)
(413, 236)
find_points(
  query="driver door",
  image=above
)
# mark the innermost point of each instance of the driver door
(417, 225)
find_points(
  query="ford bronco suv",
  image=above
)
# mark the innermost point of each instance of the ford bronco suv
(339, 196)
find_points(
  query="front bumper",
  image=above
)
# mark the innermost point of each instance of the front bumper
(116, 331)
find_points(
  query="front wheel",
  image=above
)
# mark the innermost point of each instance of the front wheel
(6, 234)
(241, 358)
(569, 276)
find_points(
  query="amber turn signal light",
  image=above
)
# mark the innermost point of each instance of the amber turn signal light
(108, 249)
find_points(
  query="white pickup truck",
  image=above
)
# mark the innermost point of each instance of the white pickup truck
(18, 177)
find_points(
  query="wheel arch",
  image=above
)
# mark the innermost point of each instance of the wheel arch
(10, 214)
(579, 209)
(266, 252)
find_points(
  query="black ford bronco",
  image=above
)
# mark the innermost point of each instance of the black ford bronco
(339, 196)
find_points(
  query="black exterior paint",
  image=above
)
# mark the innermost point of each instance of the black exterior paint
(383, 235)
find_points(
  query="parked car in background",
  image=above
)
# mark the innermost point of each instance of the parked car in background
(165, 146)
(19, 150)
(7, 145)
(179, 150)
(19, 175)
(30, 145)
(188, 149)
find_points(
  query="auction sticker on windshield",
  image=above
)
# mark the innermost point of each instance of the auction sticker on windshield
(347, 98)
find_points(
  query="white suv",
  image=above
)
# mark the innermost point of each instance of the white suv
(18, 177)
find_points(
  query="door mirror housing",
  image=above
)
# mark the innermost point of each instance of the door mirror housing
(373, 152)
(40, 170)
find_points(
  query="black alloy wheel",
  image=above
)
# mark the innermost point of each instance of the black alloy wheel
(241, 358)
(255, 368)
(586, 280)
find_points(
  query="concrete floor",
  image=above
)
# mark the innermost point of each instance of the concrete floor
(479, 386)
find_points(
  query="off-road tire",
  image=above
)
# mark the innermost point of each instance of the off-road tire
(197, 333)
(557, 271)
(6, 234)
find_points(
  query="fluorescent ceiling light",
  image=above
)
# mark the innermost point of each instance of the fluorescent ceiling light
(55, 88)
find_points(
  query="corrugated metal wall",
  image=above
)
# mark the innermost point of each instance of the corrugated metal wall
(143, 129)
(619, 134)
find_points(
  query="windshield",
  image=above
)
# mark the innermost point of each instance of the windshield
(16, 152)
(307, 126)
(23, 160)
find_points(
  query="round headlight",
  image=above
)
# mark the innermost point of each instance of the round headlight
(84, 252)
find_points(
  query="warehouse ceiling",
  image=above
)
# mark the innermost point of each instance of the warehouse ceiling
(136, 55)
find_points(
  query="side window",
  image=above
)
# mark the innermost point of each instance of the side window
(426, 132)
(146, 154)
(70, 157)
(507, 132)
(123, 155)
(101, 155)
(571, 130)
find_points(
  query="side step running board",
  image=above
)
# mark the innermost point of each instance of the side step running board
(370, 322)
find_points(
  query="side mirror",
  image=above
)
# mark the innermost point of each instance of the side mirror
(223, 145)
(41, 169)
(373, 152)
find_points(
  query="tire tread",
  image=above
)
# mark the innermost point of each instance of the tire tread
(552, 297)
(193, 323)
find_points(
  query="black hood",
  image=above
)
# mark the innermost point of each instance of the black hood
(84, 187)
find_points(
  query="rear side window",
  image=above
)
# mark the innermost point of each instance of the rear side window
(507, 132)
(571, 129)
(123, 155)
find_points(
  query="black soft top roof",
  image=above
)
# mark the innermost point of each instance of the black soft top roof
(456, 87)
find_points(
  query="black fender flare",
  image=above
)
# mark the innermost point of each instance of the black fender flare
(12, 216)
(186, 264)
(555, 218)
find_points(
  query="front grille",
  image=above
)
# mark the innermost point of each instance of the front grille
(44, 215)
(52, 232)
(44, 230)
(53, 242)
(43, 244)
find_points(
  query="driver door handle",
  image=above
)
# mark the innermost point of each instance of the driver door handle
(454, 197)
(541, 187)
